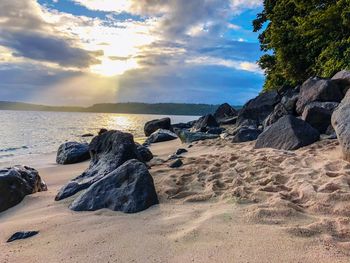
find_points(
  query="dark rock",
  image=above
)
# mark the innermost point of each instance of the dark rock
(181, 125)
(224, 111)
(102, 131)
(204, 123)
(129, 189)
(87, 135)
(181, 151)
(256, 110)
(288, 133)
(318, 114)
(22, 235)
(246, 134)
(215, 130)
(145, 154)
(17, 182)
(161, 136)
(228, 121)
(176, 164)
(154, 125)
(72, 152)
(316, 89)
(340, 123)
(108, 151)
(189, 137)
(342, 78)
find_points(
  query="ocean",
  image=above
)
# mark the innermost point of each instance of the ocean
(31, 132)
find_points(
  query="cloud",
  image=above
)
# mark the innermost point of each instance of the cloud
(27, 32)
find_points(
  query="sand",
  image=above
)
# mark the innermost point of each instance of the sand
(228, 203)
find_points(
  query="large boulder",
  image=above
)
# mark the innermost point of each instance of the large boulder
(288, 133)
(161, 136)
(72, 152)
(145, 154)
(317, 89)
(204, 123)
(189, 137)
(256, 110)
(285, 107)
(154, 125)
(246, 134)
(224, 112)
(17, 182)
(129, 189)
(342, 78)
(341, 125)
(318, 114)
(108, 151)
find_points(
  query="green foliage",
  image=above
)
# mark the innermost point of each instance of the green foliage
(303, 38)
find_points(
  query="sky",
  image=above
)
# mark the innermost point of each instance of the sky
(81, 52)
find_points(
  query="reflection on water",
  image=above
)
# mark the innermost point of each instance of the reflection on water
(42, 132)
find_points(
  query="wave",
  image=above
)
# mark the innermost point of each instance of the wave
(11, 149)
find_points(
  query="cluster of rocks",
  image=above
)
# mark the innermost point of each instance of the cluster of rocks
(117, 177)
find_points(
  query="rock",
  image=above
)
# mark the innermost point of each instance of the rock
(176, 164)
(224, 111)
(87, 135)
(22, 235)
(342, 78)
(317, 89)
(103, 130)
(228, 121)
(340, 123)
(181, 151)
(204, 123)
(161, 136)
(189, 137)
(17, 182)
(181, 125)
(246, 134)
(154, 125)
(318, 114)
(215, 130)
(129, 189)
(288, 133)
(72, 152)
(256, 110)
(145, 154)
(108, 151)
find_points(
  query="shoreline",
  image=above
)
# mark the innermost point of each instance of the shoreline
(220, 229)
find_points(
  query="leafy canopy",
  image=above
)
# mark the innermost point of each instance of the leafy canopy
(303, 38)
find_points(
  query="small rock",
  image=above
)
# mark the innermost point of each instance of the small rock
(246, 134)
(161, 135)
(145, 153)
(204, 123)
(87, 135)
(102, 131)
(176, 164)
(154, 125)
(181, 151)
(22, 235)
(189, 137)
(72, 152)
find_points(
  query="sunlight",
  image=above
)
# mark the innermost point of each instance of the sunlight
(109, 67)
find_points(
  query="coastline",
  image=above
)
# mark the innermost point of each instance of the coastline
(178, 230)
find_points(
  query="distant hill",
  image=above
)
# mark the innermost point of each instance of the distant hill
(130, 107)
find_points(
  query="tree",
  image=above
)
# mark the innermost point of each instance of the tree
(303, 38)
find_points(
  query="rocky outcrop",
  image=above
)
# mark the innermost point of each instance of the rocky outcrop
(129, 189)
(161, 136)
(246, 134)
(318, 115)
(341, 125)
(72, 152)
(288, 133)
(108, 151)
(225, 113)
(145, 154)
(204, 123)
(317, 89)
(257, 109)
(17, 182)
(189, 137)
(154, 125)
(342, 78)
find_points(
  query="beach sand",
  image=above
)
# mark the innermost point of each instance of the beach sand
(227, 203)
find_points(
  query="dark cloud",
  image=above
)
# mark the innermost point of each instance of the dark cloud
(47, 48)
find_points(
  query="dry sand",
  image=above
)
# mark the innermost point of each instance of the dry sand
(228, 203)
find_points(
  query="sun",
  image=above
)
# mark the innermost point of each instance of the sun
(109, 67)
